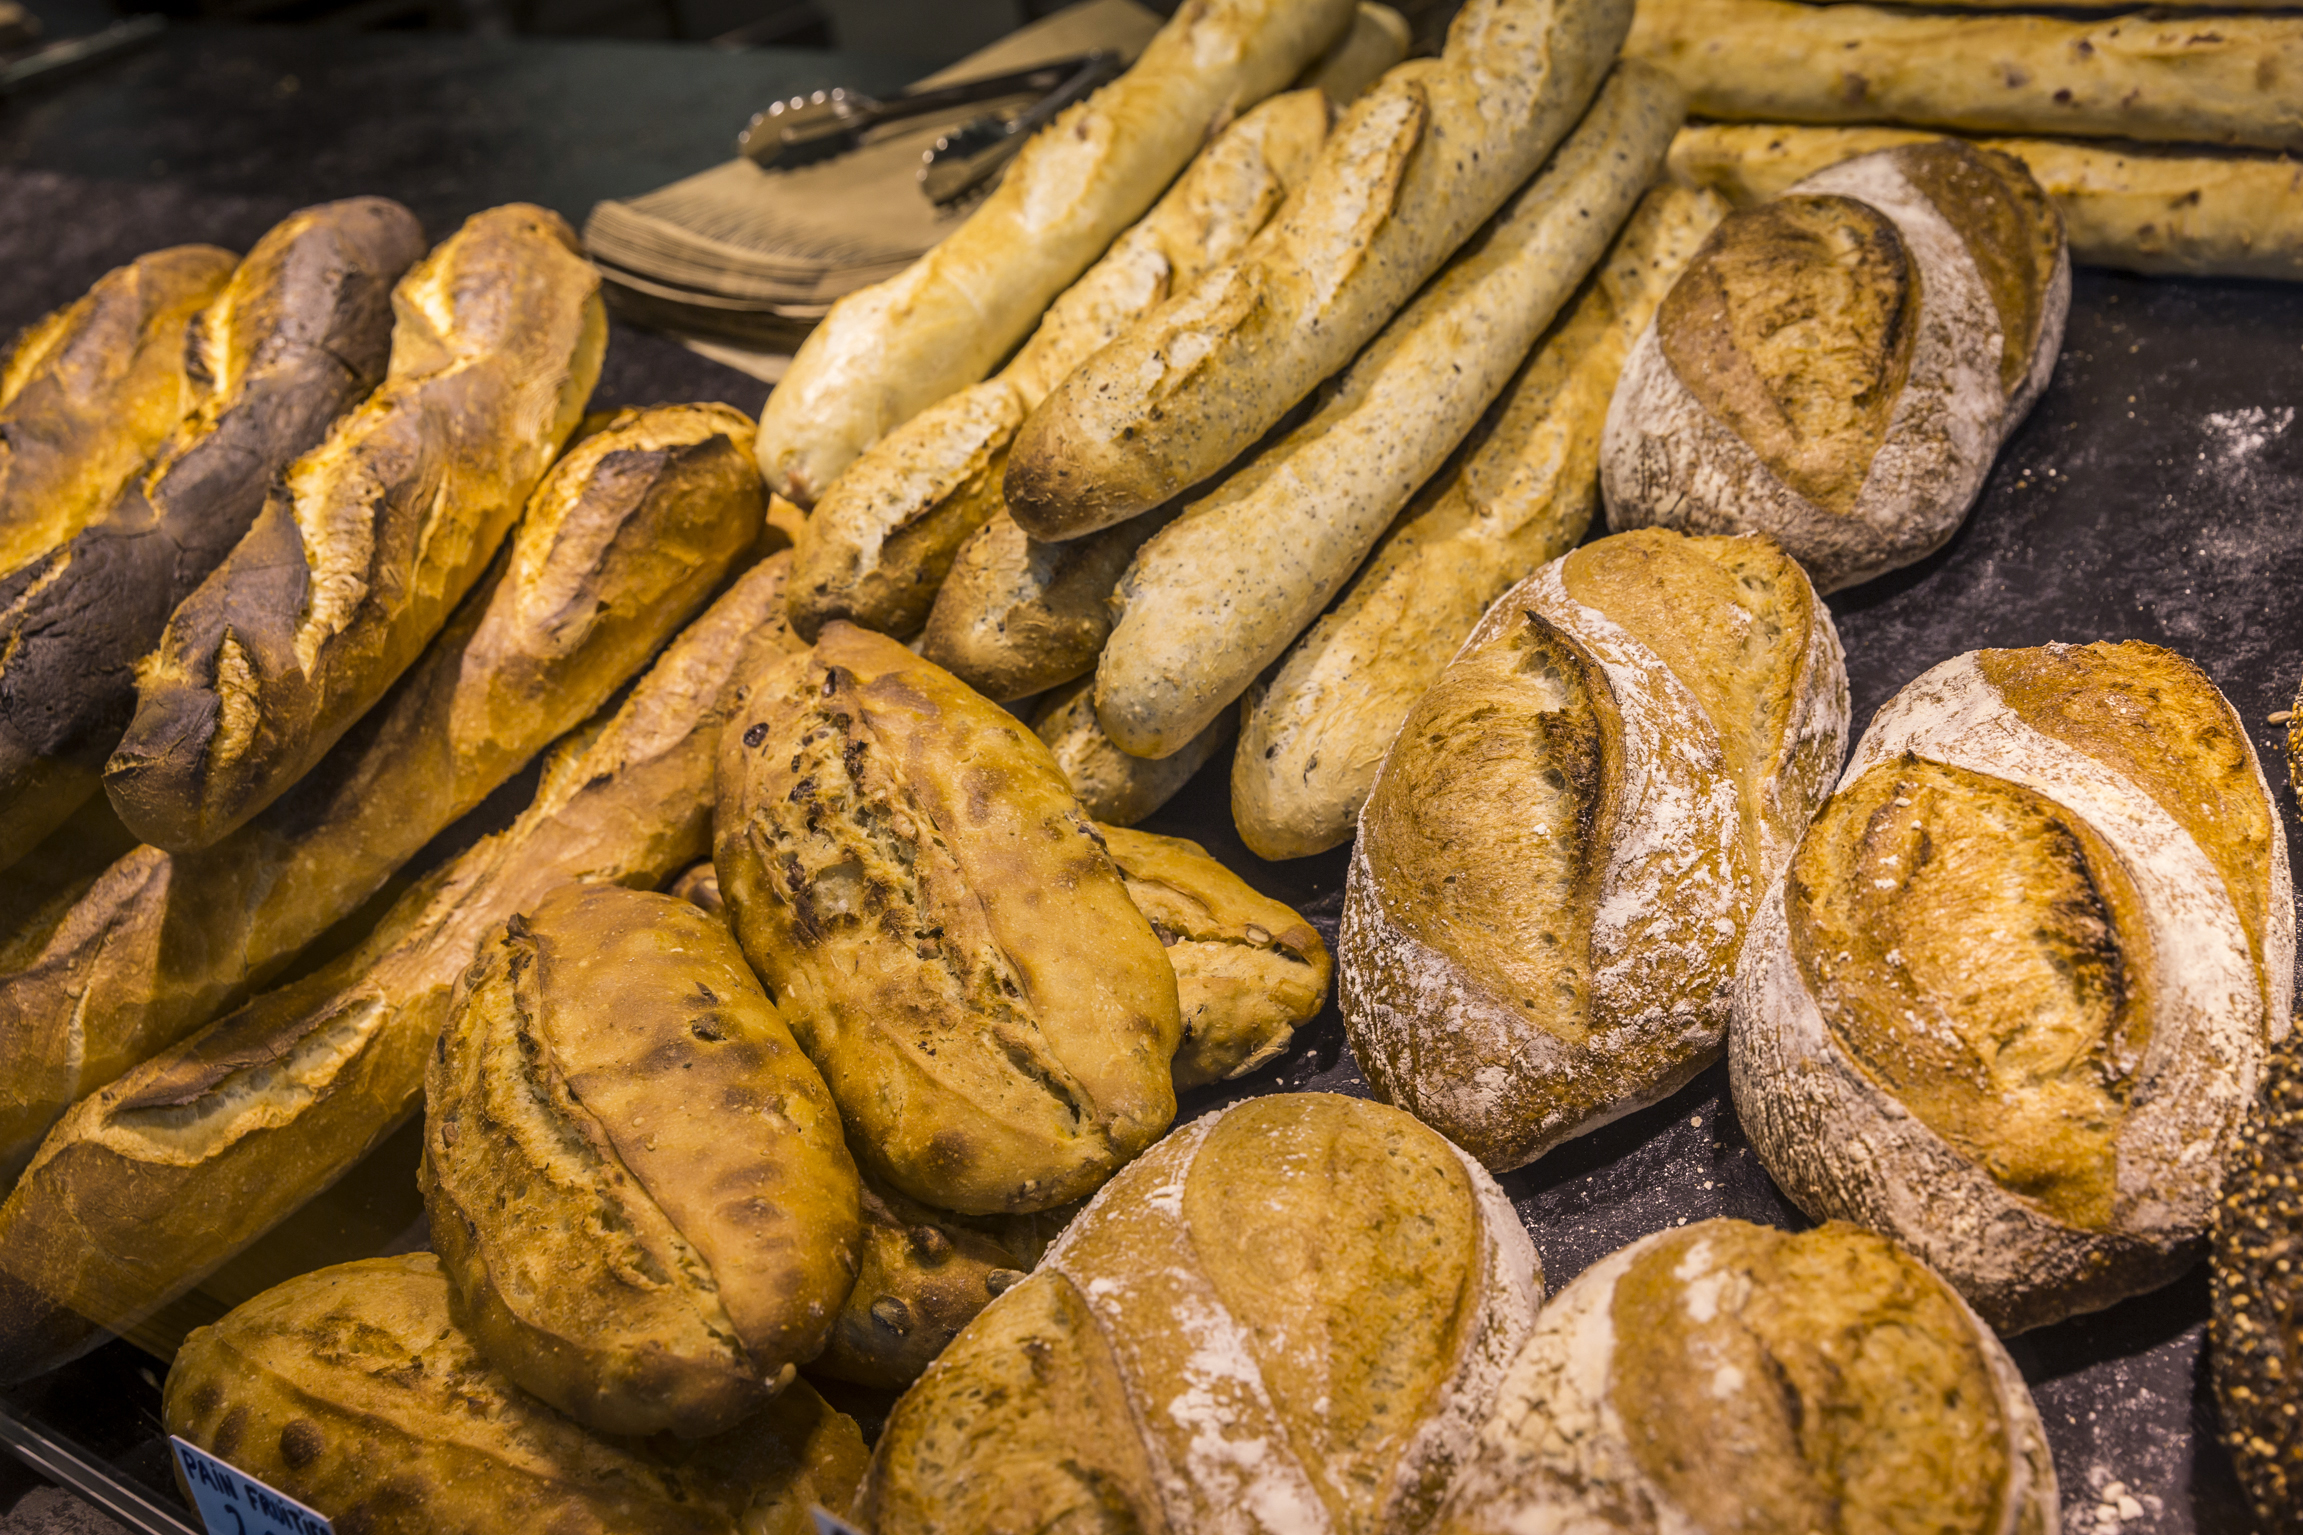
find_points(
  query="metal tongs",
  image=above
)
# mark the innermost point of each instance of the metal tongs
(826, 123)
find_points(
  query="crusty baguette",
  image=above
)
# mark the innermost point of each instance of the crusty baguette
(1113, 786)
(1410, 174)
(2189, 211)
(2139, 77)
(1312, 737)
(888, 352)
(359, 557)
(1377, 38)
(1218, 594)
(147, 1185)
(49, 880)
(624, 540)
(882, 538)
(298, 335)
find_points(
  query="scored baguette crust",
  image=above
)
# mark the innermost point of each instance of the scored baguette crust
(1409, 175)
(1844, 1147)
(888, 352)
(361, 554)
(149, 1184)
(1112, 786)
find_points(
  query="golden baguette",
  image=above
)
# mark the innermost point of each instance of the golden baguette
(1112, 786)
(360, 556)
(1405, 179)
(2196, 212)
(625, 539)
(886, 353)
(1312, 737)
(1218, 594)
(1377, 38)
(148, 1185)
(2219, 80)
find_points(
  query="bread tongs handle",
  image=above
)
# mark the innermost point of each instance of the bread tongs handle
(974, 152)
(810, 127)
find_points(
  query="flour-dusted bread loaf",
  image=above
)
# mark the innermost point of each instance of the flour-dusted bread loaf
(1839, 366)
(2010, 1001)
(1726, 1377)
(364, 549)
(1113, 786)
(1288, 1317)
(1562, 849)
(943, 930)
(2256, 1320)
(354, 1391)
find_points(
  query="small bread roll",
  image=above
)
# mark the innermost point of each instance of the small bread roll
(2011, 998)
(1838, 367)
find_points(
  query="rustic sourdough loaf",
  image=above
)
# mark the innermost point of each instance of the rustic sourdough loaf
(2255, 1325)
(1839, 366)
(353, 1391)
(2011, 998)
(1562, 848)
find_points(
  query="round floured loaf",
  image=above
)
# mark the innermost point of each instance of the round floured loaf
(1561, 849)
(2011, 998)
(1289, 1316)
(1725, 1377)
(1839, 366)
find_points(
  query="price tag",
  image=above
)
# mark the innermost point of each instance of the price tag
(234, 1503)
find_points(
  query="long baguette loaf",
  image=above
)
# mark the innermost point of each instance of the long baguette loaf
(298, 335)
(1217, 595)
(1113, 786)
(623, 541)
(1411, 173)
(888, 352)
(2167, 78)
(146, 1186)
(360, 556)
(882, 538)
(1312, 738)
(2187, 211)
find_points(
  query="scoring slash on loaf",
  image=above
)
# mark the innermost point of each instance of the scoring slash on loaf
(1562, 849)
(1210, 1347)
(2012, 997)
(1726, 1376)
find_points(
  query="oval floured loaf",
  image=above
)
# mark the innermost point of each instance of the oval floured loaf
(1562, 847)
(2011, 998)
(1839, 366)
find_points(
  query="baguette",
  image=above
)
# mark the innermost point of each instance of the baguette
(149, 1184)
(625, 539)
(298, 335)
(359, 557)
(1409, 175)
(2188, 212)
(883, 537)
(2169, 78)
(888, 352)
(1112, 786)
(1312, 737)
(2252, 1341)
(1218, 594)
(1377, 38)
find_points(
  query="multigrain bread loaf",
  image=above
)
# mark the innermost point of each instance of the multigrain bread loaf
(1290, 1316)
(298, 335)
(943, 930)
(353, 1391)
(1112, 786)
(2253, 1322)
(149, 1184)
(364, 550)
(624, 540)
(2183, 210)
(1563, 846)
(636, 1181)
(2011, 999)
(1520, 493)
(1218, 595)
(1730, 1377)
(888, 352)
(1409, 175)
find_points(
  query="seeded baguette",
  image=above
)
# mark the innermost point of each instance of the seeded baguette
(149, 1184)
(1112, 786)
(886, 353)
(625, 539)
(1217, 595)
(1408, 176)
(2257, 1236)
(2137, 77)
(360, 556)
(1312, 738)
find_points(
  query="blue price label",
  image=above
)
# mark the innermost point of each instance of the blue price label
(231, 1502)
